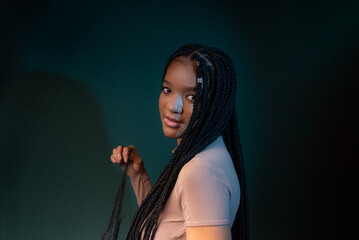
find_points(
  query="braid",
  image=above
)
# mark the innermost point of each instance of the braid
(213, 115)
(240, 226)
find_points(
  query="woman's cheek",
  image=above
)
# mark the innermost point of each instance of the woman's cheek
(161, 102)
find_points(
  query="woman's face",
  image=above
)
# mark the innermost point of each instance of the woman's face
(177, 97)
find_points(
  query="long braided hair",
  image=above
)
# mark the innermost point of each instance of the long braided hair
(215, 93)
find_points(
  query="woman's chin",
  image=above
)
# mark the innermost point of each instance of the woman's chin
(171, 134)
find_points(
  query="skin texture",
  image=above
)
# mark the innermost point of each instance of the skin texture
(176, 106)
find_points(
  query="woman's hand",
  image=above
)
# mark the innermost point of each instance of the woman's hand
(122, 155)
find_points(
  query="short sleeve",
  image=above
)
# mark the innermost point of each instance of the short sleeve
(204, 194)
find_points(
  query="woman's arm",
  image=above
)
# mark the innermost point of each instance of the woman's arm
(141, 185)
(209, 232)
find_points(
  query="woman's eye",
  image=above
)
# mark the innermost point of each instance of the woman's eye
(166, 90)
(191, 97)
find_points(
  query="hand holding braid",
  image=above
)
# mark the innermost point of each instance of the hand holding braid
(122, 155)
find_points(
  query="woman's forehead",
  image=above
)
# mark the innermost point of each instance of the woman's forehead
(180, 74)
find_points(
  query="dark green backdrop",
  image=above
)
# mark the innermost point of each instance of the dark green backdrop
(79, 78)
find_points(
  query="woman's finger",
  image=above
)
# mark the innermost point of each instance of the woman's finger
(113, 158)
(125, 154)
(114, 155)
(133, 153)
(119, 153)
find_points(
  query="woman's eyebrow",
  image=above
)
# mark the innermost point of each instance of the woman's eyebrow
(166, 81)
(189, 89)
(186, 89)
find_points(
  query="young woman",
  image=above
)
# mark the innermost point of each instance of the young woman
(201, 193)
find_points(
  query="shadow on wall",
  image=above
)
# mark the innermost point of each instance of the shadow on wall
(53, 148)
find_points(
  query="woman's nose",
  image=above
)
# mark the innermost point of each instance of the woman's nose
(176, 104)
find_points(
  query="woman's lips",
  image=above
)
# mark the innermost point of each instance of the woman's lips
(170, 122)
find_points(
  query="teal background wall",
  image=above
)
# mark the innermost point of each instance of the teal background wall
(80, 78)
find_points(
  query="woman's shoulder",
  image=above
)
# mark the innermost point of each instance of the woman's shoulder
(213, 160)
(216, 150)
(209, 173)
(215, 153)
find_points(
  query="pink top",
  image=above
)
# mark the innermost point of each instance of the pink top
(206, 193)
